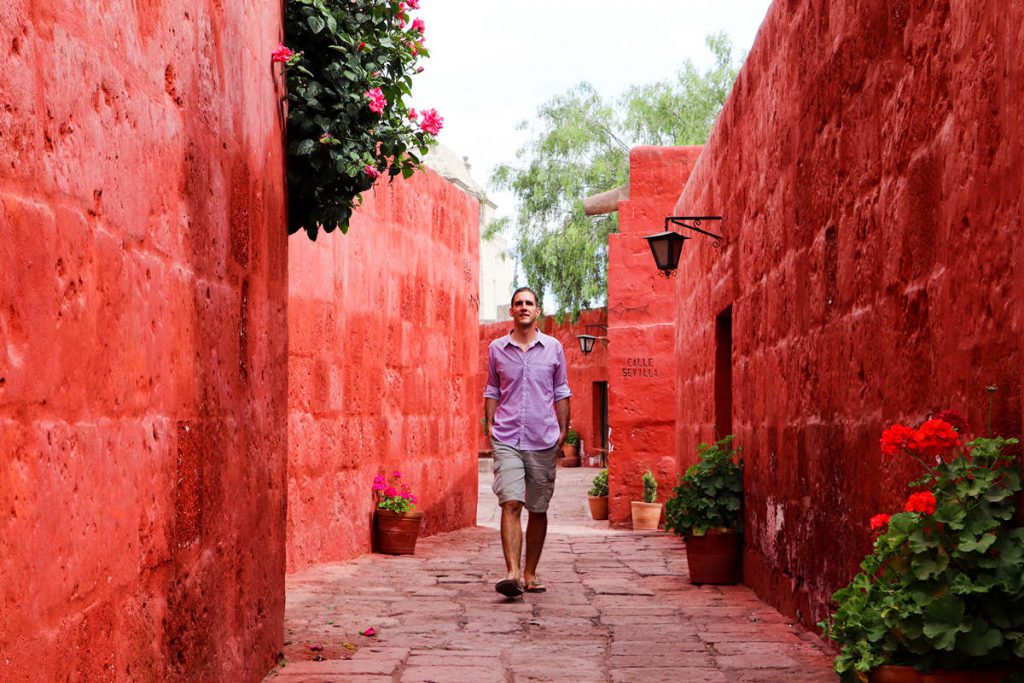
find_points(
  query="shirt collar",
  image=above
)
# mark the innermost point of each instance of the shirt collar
(541, 339)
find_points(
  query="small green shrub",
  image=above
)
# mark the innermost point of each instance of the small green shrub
(650, 487)
(572, 437)
(599, 487)
(710, 494)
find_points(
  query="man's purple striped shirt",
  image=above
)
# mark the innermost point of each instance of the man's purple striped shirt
(526, 385)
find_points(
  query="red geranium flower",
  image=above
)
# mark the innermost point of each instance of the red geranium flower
(880, 521)
(923, 502)
(897, 439)
(955, 420)
(935, 437)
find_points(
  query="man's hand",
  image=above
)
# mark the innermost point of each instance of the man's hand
(561, 438)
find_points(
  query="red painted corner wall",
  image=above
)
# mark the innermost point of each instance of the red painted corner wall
(868, 164)
(142, 342)
(588, 373)
(641, 332)
(382, 326)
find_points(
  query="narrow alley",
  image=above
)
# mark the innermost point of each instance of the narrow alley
(618, 608)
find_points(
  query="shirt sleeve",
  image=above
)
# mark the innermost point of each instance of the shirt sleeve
(493, 388)
(560, 378)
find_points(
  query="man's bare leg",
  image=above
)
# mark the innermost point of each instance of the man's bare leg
(512, 537)
(536, 531)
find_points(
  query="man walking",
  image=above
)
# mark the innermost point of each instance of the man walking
(527, 411)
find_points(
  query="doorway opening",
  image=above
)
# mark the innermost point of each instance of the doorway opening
(600, 421)
(723, 373)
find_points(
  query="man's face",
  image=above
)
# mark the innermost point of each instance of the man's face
(524, 309)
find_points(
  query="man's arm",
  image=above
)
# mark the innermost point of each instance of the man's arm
(490, 407)
(562, 413)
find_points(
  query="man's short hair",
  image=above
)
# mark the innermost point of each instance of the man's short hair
(536, 299)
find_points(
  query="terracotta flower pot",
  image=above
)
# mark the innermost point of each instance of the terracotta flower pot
(598, 506)
(569, 450)
(714, 558)
(890, 673)
(645, 515)
(397, 533)
(569, 462)
(993, 674)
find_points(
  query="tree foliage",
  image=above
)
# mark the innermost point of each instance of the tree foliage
(579, 146)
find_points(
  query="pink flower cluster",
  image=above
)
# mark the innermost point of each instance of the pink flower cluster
(432, 121)
(281, 54)
(393, 488)
(377, 100)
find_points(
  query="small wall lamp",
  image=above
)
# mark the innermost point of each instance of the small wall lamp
(587, 340)
(666, 246)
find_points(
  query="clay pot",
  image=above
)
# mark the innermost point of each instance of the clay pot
(645, 515)
(569, 462)
(714, 558)
(569, 450)
(397, 533)
(598, 506)
(994, 674)
(890, 673)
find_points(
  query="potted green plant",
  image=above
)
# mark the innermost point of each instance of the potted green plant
(707, 511)
(941, 596)
(570, 452)
(646, 513)
(397, 521)
(597, 496)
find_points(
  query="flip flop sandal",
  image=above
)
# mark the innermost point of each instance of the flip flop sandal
(535, 587)
(510, 588)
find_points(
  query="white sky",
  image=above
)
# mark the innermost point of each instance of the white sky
(494, 63)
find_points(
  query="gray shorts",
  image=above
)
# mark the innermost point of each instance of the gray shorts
(526, 476)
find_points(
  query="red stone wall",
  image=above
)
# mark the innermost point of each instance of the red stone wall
(641, 321)
(382, 326)
(142, 342)
(868, 164)
(583, 370)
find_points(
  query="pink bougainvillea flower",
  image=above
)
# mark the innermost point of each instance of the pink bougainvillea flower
(281, 54)
(432, 121)
(372, 171)
(391, 492)
(413, 115)
(414, 4)
(923, 502)
(401, 7)
(880, 522)
(419, 69)
(368, 632)
(396, 474)
(935, 437)
(413, 499)
(418, 25)
(896, 439)
(377, 100)
(379, 482)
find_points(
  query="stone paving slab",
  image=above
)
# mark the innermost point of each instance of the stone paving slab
(619, 609)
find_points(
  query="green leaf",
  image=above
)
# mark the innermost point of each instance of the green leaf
(316, 24)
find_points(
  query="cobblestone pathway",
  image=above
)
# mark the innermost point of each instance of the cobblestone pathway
(618, 609)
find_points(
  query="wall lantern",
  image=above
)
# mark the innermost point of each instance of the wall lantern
(666, 246)
(587, 340)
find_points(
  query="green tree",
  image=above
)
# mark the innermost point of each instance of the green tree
(579, 146)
